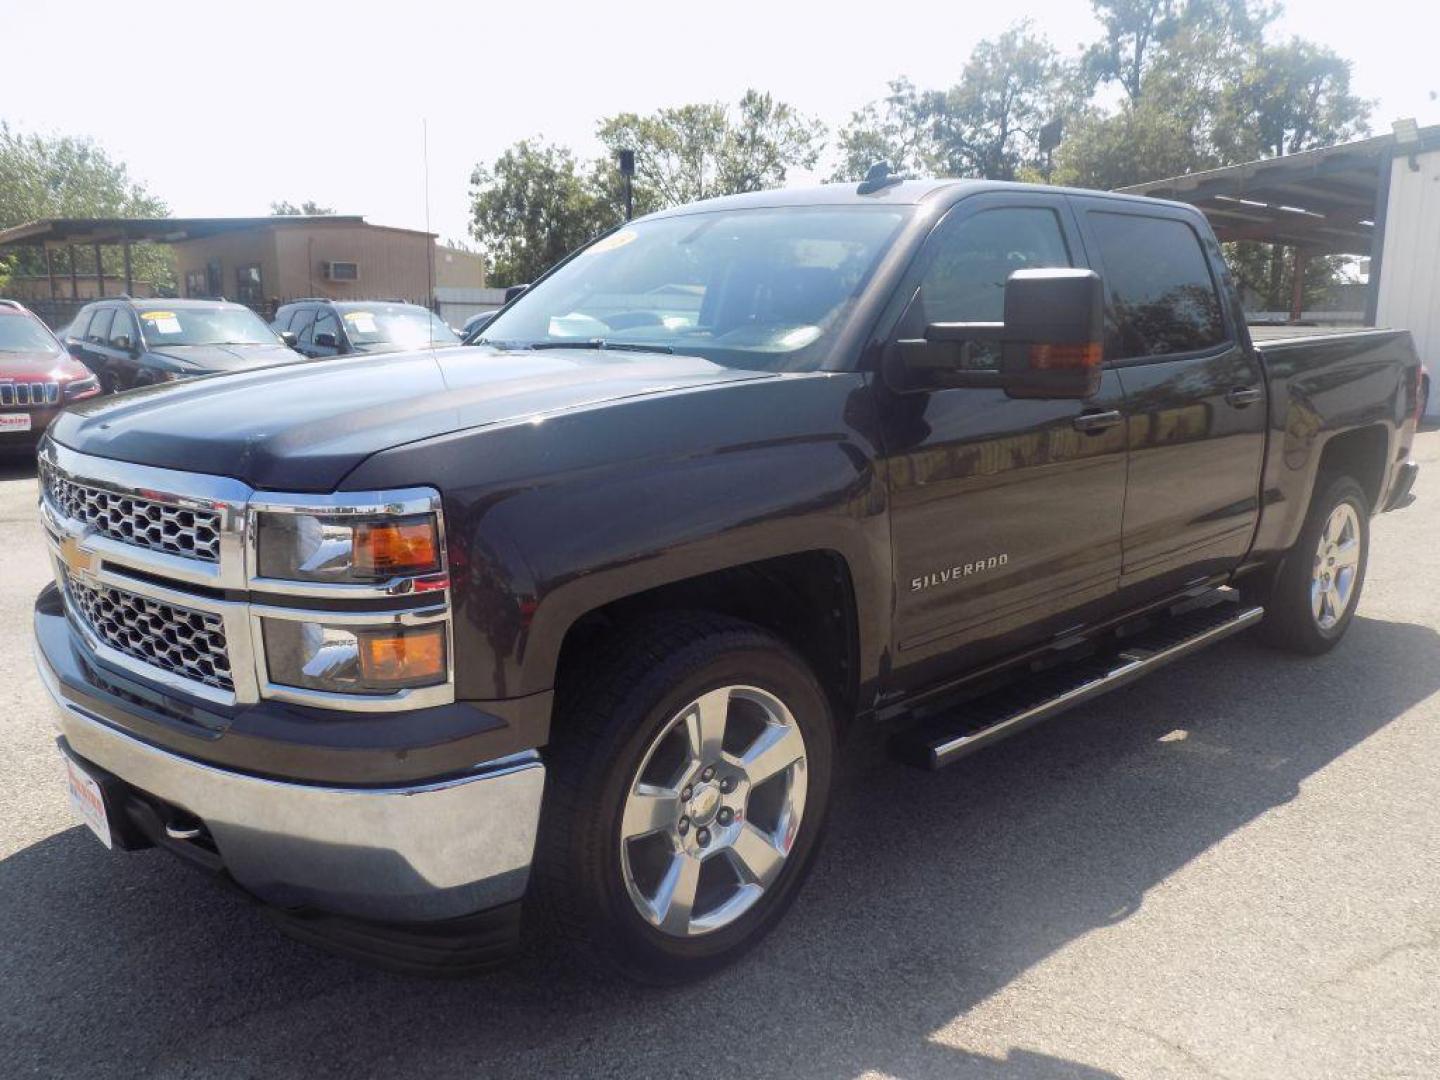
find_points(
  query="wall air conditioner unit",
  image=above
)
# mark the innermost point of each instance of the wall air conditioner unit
(342, 271)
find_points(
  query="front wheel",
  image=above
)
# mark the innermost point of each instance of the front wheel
(690, 775)
(1318, 588)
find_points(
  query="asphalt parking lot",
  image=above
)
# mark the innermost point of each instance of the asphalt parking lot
(1229, 870)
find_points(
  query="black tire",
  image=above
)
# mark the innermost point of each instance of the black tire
(1290, 622)
(607, 715)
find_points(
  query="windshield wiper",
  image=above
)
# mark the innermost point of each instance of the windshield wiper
(602, 343)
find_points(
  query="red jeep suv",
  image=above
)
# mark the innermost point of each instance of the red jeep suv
(38, 378)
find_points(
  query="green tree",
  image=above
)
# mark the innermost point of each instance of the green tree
(531, 208)
(1196, 77)
(702, 150)
(1289, 98)
(895, 129)
(1139, 141)
(988, 124)
(63, 176)
(307, 208)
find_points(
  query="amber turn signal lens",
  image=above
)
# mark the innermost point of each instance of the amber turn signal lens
(1078, 357)
(404, 657)
(400, 547)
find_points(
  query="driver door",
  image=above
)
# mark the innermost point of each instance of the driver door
(1005, 512)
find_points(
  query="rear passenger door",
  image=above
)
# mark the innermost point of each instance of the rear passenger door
(1194, 395)
(94, 349)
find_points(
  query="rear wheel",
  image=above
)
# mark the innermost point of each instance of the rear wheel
(1318, 588)
(690, 776)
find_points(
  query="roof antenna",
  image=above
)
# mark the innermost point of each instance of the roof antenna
(876, 179)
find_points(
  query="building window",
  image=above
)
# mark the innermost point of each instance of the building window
(248, 288)
(194, 282)
(342, 271)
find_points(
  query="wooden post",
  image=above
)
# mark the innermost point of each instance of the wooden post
(50, 271)
(1297, 285)
(74, 274)
(129, 273)
(99, 272)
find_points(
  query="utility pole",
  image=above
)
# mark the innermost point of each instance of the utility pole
(627, 170)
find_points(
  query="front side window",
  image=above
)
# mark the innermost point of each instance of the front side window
(1161, 296)
(765, 288)
(970, 261)
(326, 323)
(204, 325)
(123, 327)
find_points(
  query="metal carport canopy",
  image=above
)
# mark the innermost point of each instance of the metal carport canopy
(1322, 200)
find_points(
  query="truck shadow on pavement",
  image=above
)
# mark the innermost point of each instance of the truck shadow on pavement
(18, 466)
(934, 892)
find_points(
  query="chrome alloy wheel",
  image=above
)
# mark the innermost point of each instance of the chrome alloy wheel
(713, 811)
(1337, 566)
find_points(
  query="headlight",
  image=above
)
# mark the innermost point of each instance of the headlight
(305, 547)
(80, 388)
(354, 660)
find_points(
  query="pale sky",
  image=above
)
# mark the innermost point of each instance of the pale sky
(220, 109)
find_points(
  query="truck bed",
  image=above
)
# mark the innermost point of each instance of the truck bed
(1266, 333)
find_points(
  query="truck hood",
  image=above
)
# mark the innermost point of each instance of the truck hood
(305, 426)
(217, 358)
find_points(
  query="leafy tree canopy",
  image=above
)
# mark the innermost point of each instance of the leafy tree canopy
(62, 176)
(308, 208)
(532, 207)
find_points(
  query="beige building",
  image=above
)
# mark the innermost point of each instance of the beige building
(342, 258)
(257, 261)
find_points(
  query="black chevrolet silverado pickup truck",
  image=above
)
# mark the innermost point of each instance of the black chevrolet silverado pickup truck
(572, 623)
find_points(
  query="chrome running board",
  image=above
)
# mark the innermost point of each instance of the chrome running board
(946, 739)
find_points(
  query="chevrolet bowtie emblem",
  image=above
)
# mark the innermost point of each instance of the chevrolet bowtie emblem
(76, 560)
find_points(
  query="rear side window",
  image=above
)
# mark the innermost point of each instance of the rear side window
(99, 332)
(1162, 298)
(76, 330)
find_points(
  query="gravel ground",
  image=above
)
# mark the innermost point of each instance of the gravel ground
(1228, 870)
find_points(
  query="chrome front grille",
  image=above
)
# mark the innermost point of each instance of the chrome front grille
(175, 530)
(28, 395)
(175, 639)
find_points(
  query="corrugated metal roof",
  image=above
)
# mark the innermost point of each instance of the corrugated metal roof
(164, 230)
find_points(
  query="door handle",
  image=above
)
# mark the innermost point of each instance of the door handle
(1092, 423)
(1242, 396)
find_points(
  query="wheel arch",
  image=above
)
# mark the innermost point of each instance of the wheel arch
(1360, 453)
(807, 599)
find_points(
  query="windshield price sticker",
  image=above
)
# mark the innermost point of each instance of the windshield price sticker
(362, 322)
(611, 242)
(162, 322)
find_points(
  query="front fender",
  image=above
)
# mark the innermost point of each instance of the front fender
(548, 520)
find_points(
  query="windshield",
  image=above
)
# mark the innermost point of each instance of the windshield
(19, 333)
(762, 289)
(205, 326)
(403, 325)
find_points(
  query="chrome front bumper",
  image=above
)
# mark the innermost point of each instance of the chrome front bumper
(404, 854)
